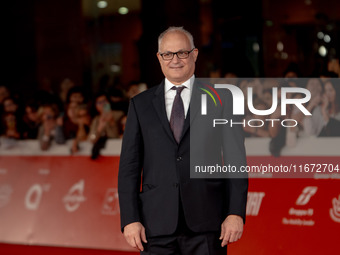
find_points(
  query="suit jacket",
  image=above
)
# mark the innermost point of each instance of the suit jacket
(154, 171)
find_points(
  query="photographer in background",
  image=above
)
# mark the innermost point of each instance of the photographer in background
(105, 123)
(51, 127)
(11, 124)
(31, 119)
(83, 120)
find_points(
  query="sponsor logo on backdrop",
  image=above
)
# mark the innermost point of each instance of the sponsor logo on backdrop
(306, 195)
(302, 216)
(34, 195)
(254, 203)
(5, 194)
(75, 196)
(334, 212)
(111, 204)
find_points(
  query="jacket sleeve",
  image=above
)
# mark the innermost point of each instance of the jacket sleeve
(130, 168)
(234, 154)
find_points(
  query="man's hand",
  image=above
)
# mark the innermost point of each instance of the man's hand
(231, 229)
(134, 233)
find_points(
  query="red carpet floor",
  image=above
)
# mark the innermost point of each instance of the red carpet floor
(10, 249)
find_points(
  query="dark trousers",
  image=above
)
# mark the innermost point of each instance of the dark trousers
(185, 242)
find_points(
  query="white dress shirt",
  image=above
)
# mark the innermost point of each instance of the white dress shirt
(170, 94)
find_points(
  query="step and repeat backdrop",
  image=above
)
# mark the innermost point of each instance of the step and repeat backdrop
(53, 198)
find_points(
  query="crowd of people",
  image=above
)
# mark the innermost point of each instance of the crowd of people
(324, 107)
(286, 129)
(73, 115)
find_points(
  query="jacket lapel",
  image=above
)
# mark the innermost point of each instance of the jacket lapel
(159, 105)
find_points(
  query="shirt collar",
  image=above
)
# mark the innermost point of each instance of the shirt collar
(188, 84)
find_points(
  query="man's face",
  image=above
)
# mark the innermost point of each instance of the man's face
(177, 70)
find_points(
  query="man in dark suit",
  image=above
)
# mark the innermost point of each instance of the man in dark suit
(173, 213)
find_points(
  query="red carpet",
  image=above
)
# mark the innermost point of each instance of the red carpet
(10, 249)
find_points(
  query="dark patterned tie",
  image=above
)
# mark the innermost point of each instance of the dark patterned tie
(177, 114)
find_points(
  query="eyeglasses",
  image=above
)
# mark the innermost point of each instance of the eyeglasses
(179, 54)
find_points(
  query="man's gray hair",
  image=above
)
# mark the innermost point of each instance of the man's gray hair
(176, 29)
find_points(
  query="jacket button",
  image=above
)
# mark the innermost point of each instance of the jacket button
(179, 158)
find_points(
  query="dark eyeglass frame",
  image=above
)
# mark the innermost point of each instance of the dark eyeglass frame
(176, 53)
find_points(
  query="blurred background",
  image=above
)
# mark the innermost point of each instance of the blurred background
(69, 68)
(102, 44)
